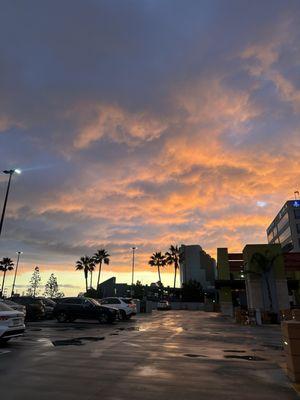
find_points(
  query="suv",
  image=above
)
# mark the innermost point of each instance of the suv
(126, 307)
(35, 308)
(71, 308)
(49, 305)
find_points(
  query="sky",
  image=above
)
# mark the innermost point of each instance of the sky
(144, 123)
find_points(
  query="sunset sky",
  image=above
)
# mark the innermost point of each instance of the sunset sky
(144, 122)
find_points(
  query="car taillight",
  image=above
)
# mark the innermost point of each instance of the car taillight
(3, 318)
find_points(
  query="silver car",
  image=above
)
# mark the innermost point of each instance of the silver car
(14, 306)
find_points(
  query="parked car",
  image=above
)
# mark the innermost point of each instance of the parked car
(49, 306)
(163, 305)
(14, 306)
(35, 308)
(71, 308)
(11, 323)
(126, 306)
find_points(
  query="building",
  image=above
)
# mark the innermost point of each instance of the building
(197, 265)
(285, 228)
(110, 288)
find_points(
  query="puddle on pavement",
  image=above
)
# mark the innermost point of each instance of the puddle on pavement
(76, 341)
(273, 346)
(248, 358)
(195, 355)
(234, 351)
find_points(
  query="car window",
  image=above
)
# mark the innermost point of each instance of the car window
(74, 301)
(113, 301)
(128, 301)
(105, 301)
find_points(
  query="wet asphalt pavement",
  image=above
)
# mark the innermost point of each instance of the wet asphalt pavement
(178, 355)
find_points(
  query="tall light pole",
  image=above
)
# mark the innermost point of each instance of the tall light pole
(16, 271)
(9, 172)
(132, 271)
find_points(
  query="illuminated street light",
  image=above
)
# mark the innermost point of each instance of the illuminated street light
(132, 271)
(9, 172)
(16, 271)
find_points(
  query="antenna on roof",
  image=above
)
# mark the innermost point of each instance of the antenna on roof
(296, 193)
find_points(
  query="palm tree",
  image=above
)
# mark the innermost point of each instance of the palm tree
(157, 260)
(6, 264)
(92, 269)
(85, 263)
(174, 256)
(101, 256)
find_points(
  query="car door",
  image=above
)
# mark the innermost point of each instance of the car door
(89, 309)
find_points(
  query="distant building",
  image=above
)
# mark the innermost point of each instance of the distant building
(197, 265)
(110, 288)
(285, 228)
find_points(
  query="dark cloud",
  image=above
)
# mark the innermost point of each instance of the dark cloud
(145, 122)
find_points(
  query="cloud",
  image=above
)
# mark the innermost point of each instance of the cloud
(134, 127)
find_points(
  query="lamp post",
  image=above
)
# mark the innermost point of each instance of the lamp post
(10, 173)
(132, 270)
(16, 271)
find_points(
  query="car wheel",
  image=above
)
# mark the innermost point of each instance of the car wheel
(104, 319)
(123, 315)
(62, 317)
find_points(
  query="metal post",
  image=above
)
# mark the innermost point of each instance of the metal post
(6, 197)
(132, 271)
(16, 271)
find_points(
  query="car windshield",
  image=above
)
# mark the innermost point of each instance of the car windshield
(4, 307)
(127, 301)
(95, 302)
(10, 303)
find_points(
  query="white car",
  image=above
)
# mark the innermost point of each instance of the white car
(126, 307)
(11, 323)
(14, 306)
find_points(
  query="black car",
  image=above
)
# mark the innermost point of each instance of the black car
(35, 308)
(49, 305)
(71, 308)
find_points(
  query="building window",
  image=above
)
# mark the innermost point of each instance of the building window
(283, 222)
(298, 228)
(297, 213)
(287, 234)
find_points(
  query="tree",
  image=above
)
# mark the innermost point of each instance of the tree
(101, 256)
(157, 260)
(6, 264)
(92, 269)
(192, 291)
(34, 283)
(85, 264)
(174, 256)
(51, 288)
(138, 290)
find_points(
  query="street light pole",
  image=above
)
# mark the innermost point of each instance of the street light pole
(16, 271)
(132, 271)
(10, 173)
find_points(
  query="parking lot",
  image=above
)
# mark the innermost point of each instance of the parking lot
(166, 355)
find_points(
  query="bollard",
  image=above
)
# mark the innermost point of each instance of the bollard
(291, 344)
